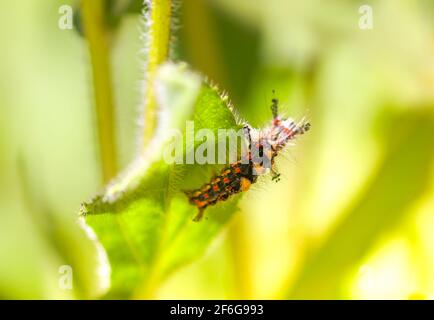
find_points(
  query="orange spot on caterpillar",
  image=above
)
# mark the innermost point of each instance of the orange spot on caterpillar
(245, 184)
(200, 204)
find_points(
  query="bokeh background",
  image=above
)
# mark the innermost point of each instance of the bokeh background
(353, 216)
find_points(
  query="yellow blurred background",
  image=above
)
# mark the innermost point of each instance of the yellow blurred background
(352, 217)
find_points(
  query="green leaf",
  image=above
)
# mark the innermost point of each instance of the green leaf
(77, 246)
(383, 203)
(143, 219)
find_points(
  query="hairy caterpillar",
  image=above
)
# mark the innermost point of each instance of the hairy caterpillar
(263, 146)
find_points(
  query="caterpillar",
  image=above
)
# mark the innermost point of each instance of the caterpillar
(263, 146)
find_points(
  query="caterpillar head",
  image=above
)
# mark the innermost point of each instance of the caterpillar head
(282, 130)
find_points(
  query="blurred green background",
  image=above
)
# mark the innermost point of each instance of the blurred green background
(353, 216)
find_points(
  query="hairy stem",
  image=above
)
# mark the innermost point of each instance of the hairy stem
(98, 40)
(158, 45)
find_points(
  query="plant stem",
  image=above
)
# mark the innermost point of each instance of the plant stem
(98, 39)
(158, 46)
